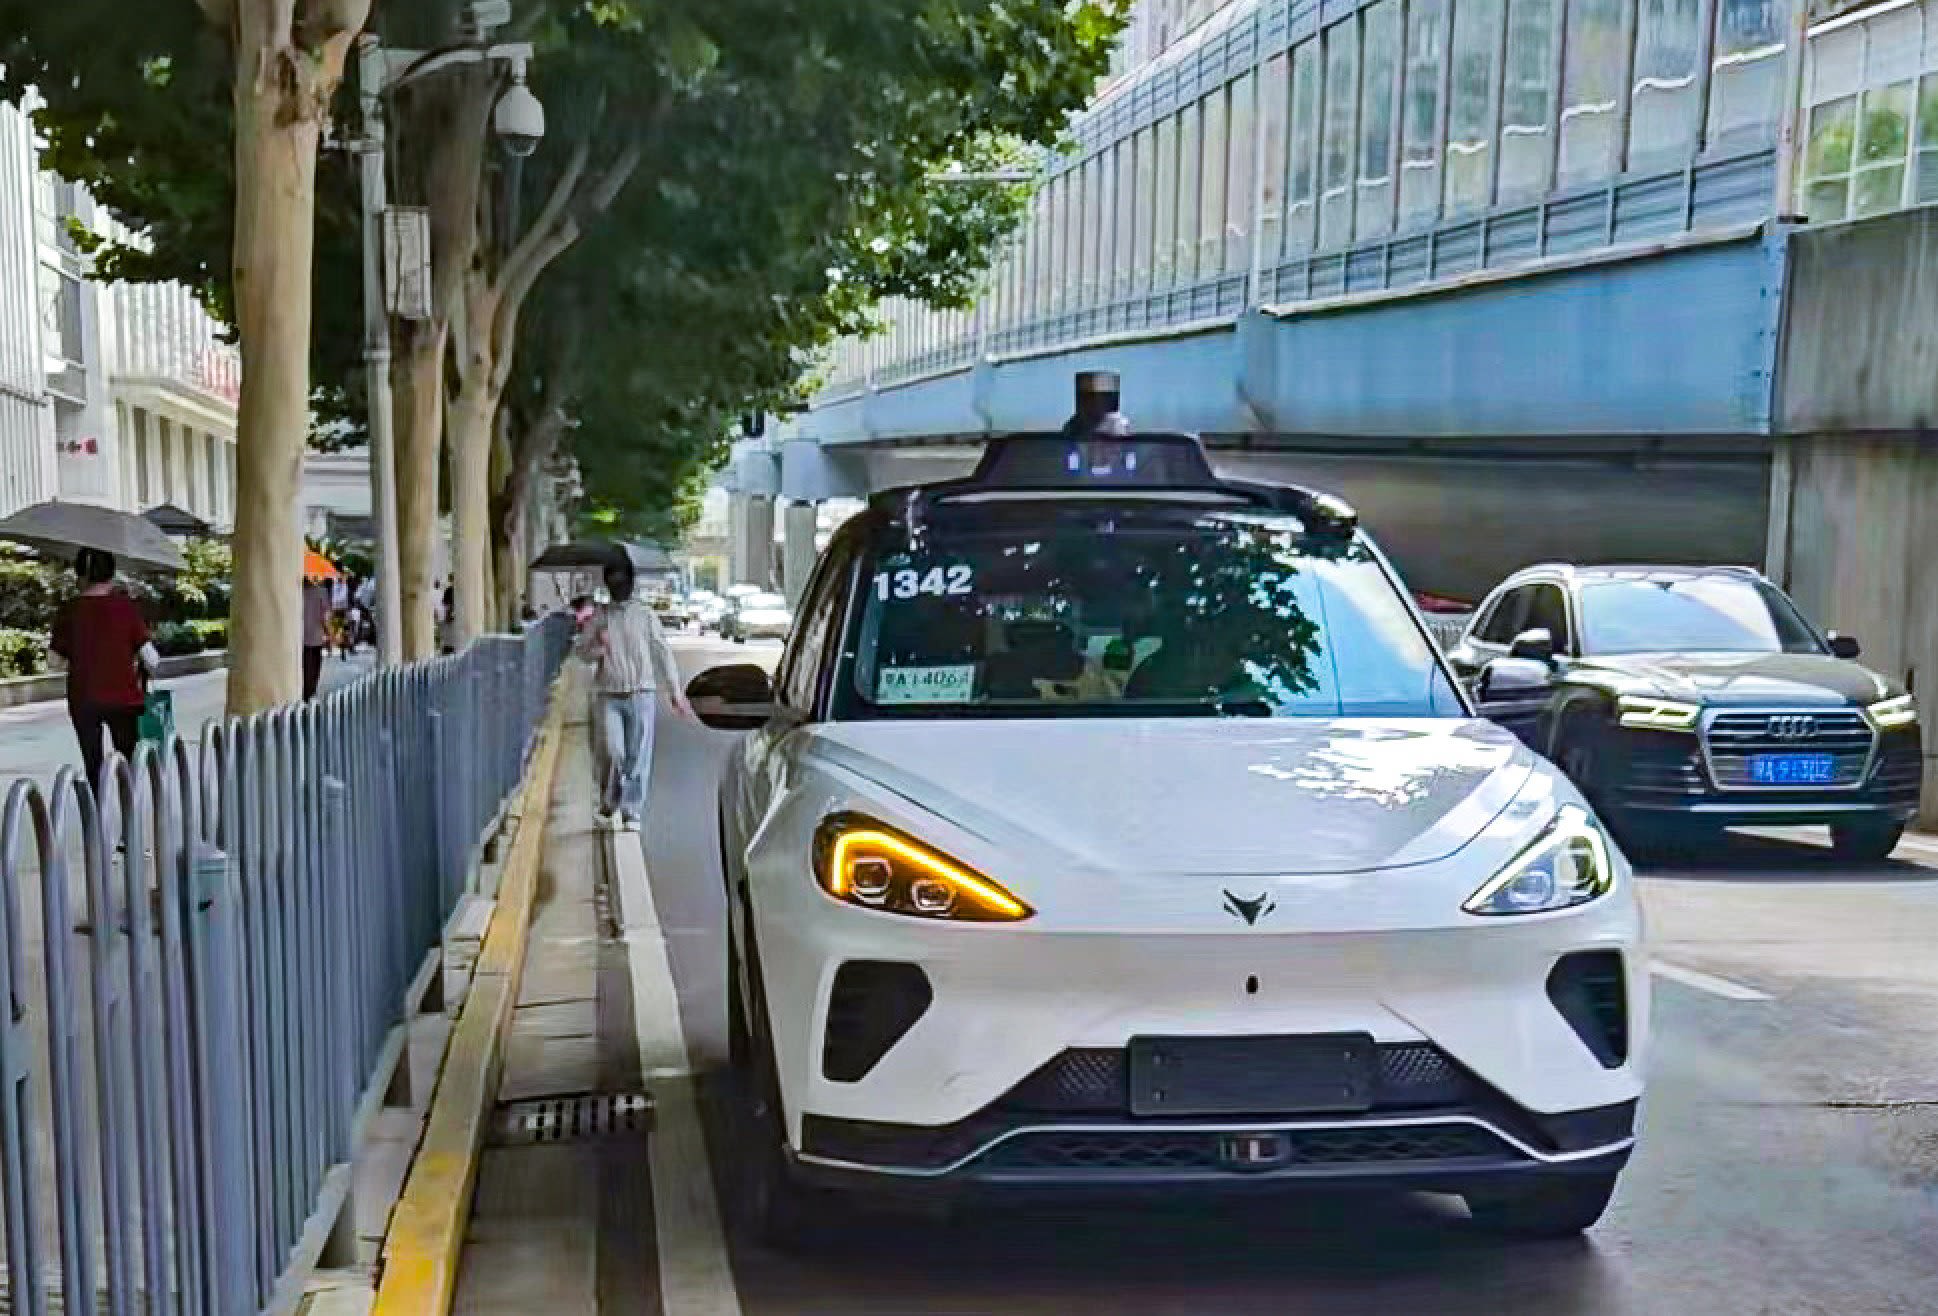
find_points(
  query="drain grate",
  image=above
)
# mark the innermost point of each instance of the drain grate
(587, 1118)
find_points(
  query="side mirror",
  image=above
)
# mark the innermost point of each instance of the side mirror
(738, 697)
(1845, 646)
(1535, 645)
(1507, 679)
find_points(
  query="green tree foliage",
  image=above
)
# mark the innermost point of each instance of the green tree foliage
(791, 185)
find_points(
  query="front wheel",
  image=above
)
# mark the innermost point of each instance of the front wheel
(1867, 840)
(1558, 1207)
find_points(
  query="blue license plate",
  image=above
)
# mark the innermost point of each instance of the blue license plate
(1792, 769)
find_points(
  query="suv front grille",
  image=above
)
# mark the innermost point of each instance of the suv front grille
(1732, 738)
(1179, 1149)
(1095, 1080)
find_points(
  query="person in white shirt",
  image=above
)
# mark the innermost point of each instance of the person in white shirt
(633, 662)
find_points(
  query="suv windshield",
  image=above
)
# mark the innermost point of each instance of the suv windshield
(1716, 614)
(1136, 612)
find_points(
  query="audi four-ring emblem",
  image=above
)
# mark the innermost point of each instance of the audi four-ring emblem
(1793, 727)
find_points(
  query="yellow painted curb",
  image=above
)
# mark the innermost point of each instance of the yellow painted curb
(426, 1236)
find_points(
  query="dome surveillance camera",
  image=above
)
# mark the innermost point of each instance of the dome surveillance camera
(519, 119)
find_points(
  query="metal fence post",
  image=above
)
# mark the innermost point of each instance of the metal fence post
(18, 1187)
(222, 1083)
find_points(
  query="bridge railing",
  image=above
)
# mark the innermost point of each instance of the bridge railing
(205, 965)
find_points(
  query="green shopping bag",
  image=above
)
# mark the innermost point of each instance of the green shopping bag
(157, 716)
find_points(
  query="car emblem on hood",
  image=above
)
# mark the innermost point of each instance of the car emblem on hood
(1250, 910)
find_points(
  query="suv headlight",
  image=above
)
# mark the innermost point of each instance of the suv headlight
(858, 861)
(1567, 865)
(1889, 714)
(1647, 714)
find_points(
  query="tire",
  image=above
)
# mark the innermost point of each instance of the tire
(740, 639)
(1866, 840)
(1561, 1206)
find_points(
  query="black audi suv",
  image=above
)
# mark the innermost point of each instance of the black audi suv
(1682, 700)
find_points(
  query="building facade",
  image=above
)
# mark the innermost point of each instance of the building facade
(1644, 280)
(120, 395)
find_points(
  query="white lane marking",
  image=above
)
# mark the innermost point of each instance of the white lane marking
(1706, 982)
(695, 1274)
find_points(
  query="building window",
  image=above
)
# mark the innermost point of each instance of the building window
(1746, 75)
(1144, 234)
(1336, 147)
(1593, 89)
(1243, 145)
(1470, 105)
(1527, 99)
(213, 451)
(1662, 100)
(1871, 119)
(1122, 249)
(1190, 171)
(1301, 170)
(144, 479)
(1164, 229)
(1211, 191)
(1420, 113)
(1274, 89)
(1379, 86)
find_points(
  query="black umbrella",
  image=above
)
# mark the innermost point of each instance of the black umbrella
(590, 554)
(64, 528)
(173, 520)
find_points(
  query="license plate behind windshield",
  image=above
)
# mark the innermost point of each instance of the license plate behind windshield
(1792, 769)
(1322, 1072)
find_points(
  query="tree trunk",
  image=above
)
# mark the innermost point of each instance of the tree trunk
(471, 417)
(440, 154)
(281, 95)
(420, 439)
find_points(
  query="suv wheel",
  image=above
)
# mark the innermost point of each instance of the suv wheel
(1866, 840)
(1560, 1206)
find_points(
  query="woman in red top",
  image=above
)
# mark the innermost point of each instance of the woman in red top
(101, 635)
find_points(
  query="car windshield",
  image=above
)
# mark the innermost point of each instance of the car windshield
(762, 603)
(1136, 612)
(1715, 614)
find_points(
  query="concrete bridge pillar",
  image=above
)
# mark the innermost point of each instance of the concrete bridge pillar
(798, 525)
(750, 518)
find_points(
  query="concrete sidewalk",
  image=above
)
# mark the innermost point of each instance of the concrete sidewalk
(561, 1219)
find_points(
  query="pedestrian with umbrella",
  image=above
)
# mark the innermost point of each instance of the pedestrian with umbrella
(100, 633)
(103, 638)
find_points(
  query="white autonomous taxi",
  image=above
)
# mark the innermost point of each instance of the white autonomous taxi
(1112, 826)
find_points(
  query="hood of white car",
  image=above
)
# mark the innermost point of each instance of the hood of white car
(1212, 796)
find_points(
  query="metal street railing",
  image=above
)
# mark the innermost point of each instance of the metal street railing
(204, 966)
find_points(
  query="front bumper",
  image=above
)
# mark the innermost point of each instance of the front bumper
(1000, 1004)
(1448, 1147)
(1663, 773)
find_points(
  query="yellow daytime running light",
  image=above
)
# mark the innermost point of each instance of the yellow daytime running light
(1887, 714)
(1657, 714)
(869, 866)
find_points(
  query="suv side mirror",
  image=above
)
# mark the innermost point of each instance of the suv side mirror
(738, 697)
(1536, 645)
(1506, 680)
(1845, 646)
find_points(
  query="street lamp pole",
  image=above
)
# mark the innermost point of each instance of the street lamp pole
(518, 120)
(376, 357)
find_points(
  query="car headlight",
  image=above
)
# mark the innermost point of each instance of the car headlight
(1649, 714)
(1888, 714)
(1567, 865)
(860, 862)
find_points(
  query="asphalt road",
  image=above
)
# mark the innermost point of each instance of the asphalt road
(1788, 1161)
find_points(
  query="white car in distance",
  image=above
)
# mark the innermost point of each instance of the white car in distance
(1108, 826)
